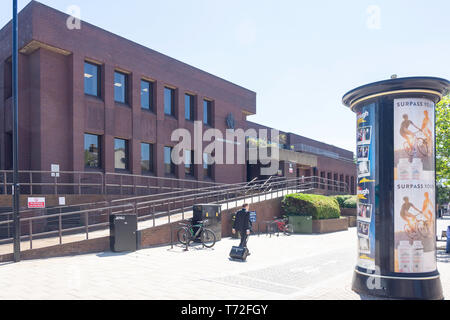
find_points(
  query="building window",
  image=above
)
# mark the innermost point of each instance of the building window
(146, 95)
(146, 157)
(189, 162)
(352, 185)
(92, 83)
(8, 151)
(169, 167)
(322, 180)
(92, 151)
(207, 166)
(329, 178)
(169, 101)
(120, 87)
(207, 112)
(120, 154)
(189, 105)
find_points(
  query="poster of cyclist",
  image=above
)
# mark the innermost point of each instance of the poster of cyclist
(366, 187)
(414, 193)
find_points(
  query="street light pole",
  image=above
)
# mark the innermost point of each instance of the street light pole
(15, 85)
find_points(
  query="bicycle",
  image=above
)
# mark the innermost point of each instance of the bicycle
(421, 228)
(281, 225)
(420, 144)
(186, 234)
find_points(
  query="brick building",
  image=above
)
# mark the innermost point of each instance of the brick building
(90, 100)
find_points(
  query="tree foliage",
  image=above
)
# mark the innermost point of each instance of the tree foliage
(443, 148)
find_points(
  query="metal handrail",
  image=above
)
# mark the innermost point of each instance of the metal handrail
(99, 180)
(221, 194)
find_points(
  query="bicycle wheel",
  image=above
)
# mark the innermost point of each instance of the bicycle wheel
(183, 236)
(208, 238)
(422, 146)
(288, 229)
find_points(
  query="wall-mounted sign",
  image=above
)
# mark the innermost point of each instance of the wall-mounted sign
(36, 203)
(253, 216)
(55, 170)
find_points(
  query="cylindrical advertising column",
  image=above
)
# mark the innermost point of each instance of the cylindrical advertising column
(397, 187)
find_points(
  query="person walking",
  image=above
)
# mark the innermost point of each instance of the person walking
(243, 225)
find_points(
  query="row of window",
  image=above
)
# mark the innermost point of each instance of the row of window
(93, 151)
(92, 87)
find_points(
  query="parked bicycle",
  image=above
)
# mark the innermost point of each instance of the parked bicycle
(188, 234)
(281, 225)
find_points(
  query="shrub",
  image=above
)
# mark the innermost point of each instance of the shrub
(341, 199)
(317, 206)
(346, 201)
(350, 202)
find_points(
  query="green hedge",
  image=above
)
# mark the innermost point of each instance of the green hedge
(346, 201)
(317, 206)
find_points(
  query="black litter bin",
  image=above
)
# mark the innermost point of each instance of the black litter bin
(123, 232)
(212, 213)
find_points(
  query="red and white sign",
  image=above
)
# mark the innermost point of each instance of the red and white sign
(36, 203)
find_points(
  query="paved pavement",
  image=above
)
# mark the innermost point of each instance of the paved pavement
(280, 268)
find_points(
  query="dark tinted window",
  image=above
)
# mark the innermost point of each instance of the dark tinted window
(189, 162)
(207, 166)
(91, 79)
(146, 95)
(92, 151)
(120, 87)
(207, 112)
(169, 101)
(169, 167)
(146, 157)
(189, 107)
(120, 154)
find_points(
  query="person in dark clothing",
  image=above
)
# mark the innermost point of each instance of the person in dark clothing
(243, 225)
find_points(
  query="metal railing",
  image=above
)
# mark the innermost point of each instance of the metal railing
(95, 216)
(34, 182)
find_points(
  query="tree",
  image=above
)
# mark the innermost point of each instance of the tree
(443, 149)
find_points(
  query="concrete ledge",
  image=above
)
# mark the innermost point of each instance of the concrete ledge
(348, 212)
(66, 249)
(330, 225)
(351, 222)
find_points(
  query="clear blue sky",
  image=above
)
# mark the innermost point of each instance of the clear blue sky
(300, 57)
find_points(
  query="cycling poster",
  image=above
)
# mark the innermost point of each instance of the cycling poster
(366, 187)
(414, 190)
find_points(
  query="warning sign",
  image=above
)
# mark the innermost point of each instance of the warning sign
(36, 203)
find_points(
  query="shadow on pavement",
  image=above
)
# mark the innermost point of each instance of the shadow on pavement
(112, 254)
(192, 247)
(442, 256)
(367, 297)
(6, 263)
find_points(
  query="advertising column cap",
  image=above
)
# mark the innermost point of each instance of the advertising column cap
(430, 85)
